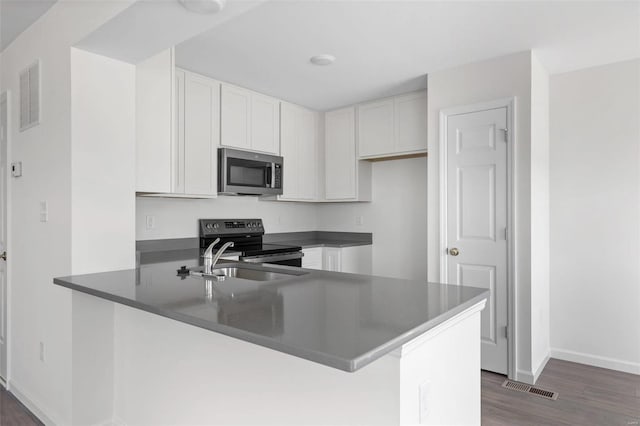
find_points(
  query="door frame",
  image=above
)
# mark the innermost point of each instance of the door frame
(510, 104)
(7, 94)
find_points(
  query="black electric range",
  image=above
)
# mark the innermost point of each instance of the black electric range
(247, 235)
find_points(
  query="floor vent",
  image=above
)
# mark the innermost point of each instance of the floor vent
(523, 387)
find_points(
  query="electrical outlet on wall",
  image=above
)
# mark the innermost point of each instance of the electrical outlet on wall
(359, 220)
(44, 211)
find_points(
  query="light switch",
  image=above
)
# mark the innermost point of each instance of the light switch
(150, 222)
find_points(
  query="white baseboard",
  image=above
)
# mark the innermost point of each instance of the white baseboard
(540, 368)
(32, 405)
(531, 377)
(596, 361)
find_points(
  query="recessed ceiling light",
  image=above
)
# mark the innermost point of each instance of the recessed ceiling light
(322, 59)
(205, 7)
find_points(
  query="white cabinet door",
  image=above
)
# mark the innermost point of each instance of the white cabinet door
(265, 124)
(298, 147)
(201, 134)
(307, 155)
(376, 134)
(411, 122)
(154, 123)
(312, 258)
(332, 259)
(289, 149)
(249, 120)
(340, 155)
(235, 117)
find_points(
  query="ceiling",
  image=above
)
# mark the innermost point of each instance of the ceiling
(17, 15)
(387, 47)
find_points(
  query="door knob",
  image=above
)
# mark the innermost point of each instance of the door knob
(454, 251)
(3, 256)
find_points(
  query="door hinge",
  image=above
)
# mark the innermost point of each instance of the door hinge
(506, 233)
(505, 331)
(506, 134)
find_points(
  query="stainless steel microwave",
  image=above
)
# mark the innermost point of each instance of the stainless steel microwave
(248, 173)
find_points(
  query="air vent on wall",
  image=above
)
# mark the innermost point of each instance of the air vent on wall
(30, 97)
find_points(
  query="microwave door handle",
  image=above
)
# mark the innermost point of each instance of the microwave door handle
(268, 175)
(273, 175)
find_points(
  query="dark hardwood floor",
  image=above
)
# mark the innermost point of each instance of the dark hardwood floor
(13, 413)
(587, 396)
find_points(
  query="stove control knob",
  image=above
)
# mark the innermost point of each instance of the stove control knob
(216, 225)
(209, 226)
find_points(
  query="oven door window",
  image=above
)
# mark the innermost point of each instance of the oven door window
(248, 173)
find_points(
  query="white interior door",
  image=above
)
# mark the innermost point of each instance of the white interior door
(476, 219)
(3, 233)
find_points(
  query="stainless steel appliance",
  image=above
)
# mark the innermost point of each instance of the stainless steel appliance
(249, 173)
(246, 234)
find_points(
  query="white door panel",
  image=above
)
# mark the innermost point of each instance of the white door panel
(477, 219)
(3, 233)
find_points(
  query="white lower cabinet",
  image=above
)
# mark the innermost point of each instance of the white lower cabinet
(312, 258)
(355, 260)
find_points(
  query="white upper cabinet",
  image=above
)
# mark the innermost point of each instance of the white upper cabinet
(376, 128)
(178, 130)
(393, 126)
(154, 123)
(235, 119)
(411, 122)
(249, 120)
(198, 134)
(265, 124)
(298, 147)
(346, 179)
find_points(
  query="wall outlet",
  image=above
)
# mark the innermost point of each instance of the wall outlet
(359, 220)
(16, 169)
(44, 211)
(42, 351)
(150, 222)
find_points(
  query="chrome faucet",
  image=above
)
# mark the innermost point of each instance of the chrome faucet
(209, 259)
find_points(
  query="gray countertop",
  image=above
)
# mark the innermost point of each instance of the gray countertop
(341, 320)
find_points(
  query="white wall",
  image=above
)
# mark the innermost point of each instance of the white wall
(498, 78)
(39, 251)
(595, 211)
(102, 163)
(539, 216)
(397, 217)
(102, 214)
(178, 218)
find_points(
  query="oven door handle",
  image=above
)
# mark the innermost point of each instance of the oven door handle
(273, 258)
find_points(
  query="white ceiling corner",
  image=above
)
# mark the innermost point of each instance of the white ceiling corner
(18, 15)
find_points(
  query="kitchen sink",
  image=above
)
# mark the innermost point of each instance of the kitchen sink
(249, 273)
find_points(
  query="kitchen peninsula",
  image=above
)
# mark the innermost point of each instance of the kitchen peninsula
(281, 346)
